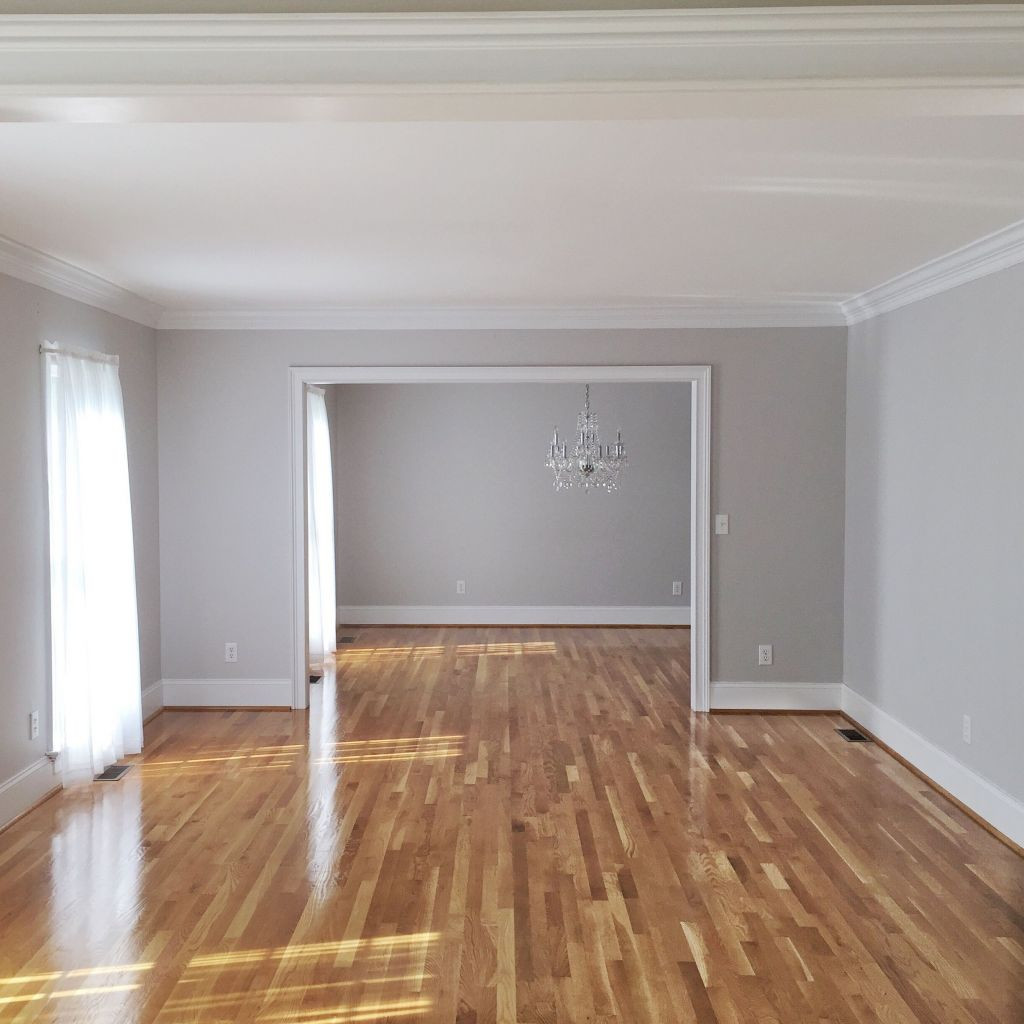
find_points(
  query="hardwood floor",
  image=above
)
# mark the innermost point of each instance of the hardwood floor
(508, 825)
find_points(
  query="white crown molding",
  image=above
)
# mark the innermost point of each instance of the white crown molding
(987, 255)
(723, 313)
(38, 268)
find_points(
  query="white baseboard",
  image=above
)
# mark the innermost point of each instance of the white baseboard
(513, 615)
(227, 693)
(1001, 810)
(25, 789)
(776, 696)
(152, 699)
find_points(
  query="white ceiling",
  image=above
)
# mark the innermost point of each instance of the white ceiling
(694, 165)
(467, 213)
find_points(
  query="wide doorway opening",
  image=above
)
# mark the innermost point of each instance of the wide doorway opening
(463, 520)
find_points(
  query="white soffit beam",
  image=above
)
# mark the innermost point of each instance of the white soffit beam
(784, 62)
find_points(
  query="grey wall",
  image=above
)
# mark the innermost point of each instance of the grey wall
(778, 468)
(30, 316)
(935, 499)
(438, 482)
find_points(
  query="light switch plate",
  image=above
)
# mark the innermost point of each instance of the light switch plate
(721, 523)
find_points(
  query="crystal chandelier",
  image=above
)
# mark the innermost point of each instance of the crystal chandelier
(587, 464)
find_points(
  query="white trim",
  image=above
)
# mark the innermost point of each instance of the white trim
(55, 275)
(227, 693)
(999, 808)
(152, 699)
(576, 374)
(700, 537)
(776, 696)
(917, 96)
(72, 55)
(514, 615)
(26, 788)
(514, 30)
(697, 312)
(988, 255)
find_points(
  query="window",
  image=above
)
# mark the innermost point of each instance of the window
(94, 632)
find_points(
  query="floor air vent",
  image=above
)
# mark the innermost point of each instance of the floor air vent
(346, 639)
(113, 773)
(853, 736)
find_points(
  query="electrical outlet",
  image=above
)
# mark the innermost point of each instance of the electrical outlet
(721, 523)
(460, 586)
(764, 654)
(967, 728)
(677, 588)
(231, 651)
(33, 725)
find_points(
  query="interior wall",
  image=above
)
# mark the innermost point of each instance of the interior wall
(778, 434)
(30, 316)
(934, 543)
(439, 482)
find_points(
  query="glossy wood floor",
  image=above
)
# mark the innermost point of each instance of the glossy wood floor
(508, 825)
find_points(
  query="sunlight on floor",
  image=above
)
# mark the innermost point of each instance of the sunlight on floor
(65, 993)
(44, 984)
(383, 945)
(78, 972)
(369, 751)
(376, 654)
(392, 970)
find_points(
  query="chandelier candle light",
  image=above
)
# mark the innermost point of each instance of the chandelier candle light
(588, 464)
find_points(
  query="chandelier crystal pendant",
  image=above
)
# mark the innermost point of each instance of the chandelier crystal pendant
(587, 464)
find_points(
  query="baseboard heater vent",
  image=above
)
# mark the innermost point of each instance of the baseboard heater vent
(853, 736)
(113, 773)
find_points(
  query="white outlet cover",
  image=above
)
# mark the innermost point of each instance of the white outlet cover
(764, 654)
(460, 586)
(677, 588)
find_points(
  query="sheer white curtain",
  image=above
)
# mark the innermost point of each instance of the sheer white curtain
(320, 506)
(94, 627)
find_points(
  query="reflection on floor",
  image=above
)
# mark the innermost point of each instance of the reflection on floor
(513, 825)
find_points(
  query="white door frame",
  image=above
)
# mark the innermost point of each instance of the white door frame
(700, 475)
